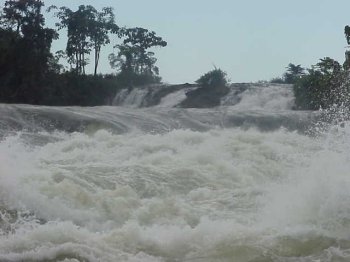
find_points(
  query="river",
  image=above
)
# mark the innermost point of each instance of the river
(251, 180)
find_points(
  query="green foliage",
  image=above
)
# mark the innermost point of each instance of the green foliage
(143, 38)
(213, 86)
(324, 85)
(84, 90)
(347, 34)
(213, 78)
(136, 65)
(77, 24)
(130, 79)
(87, 30)
(293, 74)
(24, 42)
(277, 80)
(100, 27)
(30, 73)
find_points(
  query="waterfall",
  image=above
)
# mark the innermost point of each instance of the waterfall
(147, 180)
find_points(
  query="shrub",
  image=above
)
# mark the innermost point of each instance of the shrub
(324, 86)
(277, 80)
(214, 78)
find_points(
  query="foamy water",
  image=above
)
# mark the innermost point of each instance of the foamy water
(225, 194)
(233, 183)
(264, 96)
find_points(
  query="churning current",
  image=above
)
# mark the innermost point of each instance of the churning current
(247, 181)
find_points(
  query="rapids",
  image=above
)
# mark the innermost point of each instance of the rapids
(250, 180)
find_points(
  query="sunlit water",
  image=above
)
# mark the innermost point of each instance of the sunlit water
(116, 184)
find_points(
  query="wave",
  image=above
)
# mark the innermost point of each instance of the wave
(182, 195)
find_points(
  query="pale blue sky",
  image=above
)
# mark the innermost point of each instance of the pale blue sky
(249, 39)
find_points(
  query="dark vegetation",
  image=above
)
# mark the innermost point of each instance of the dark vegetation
(322, 86)
(213, 86)
(325, 85)
(30, 73)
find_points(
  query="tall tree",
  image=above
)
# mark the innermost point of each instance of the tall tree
(133, 60)
(143, 38)
(30, 42)
(124, 61)
(78, 30)
(87, 30)
(99, 29)
(133, 57)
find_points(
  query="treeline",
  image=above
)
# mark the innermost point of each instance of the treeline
(324, 85)
(31, 73)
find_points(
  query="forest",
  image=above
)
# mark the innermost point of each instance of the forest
(30, 73)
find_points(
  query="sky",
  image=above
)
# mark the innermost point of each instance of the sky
(251, 40)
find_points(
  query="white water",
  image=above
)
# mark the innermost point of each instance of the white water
(269, 97)
(186, 194)
(133, 98)
(173, 99)
(252, 96)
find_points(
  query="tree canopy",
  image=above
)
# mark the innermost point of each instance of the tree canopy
(87, 30)
(133, 58)
(26, 41)
(294, 72)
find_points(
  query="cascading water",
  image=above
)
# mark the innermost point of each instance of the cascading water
(243, 96)
(232, 183)
(152, 95)
(263, 96)
(173, 99)
(131, 98)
